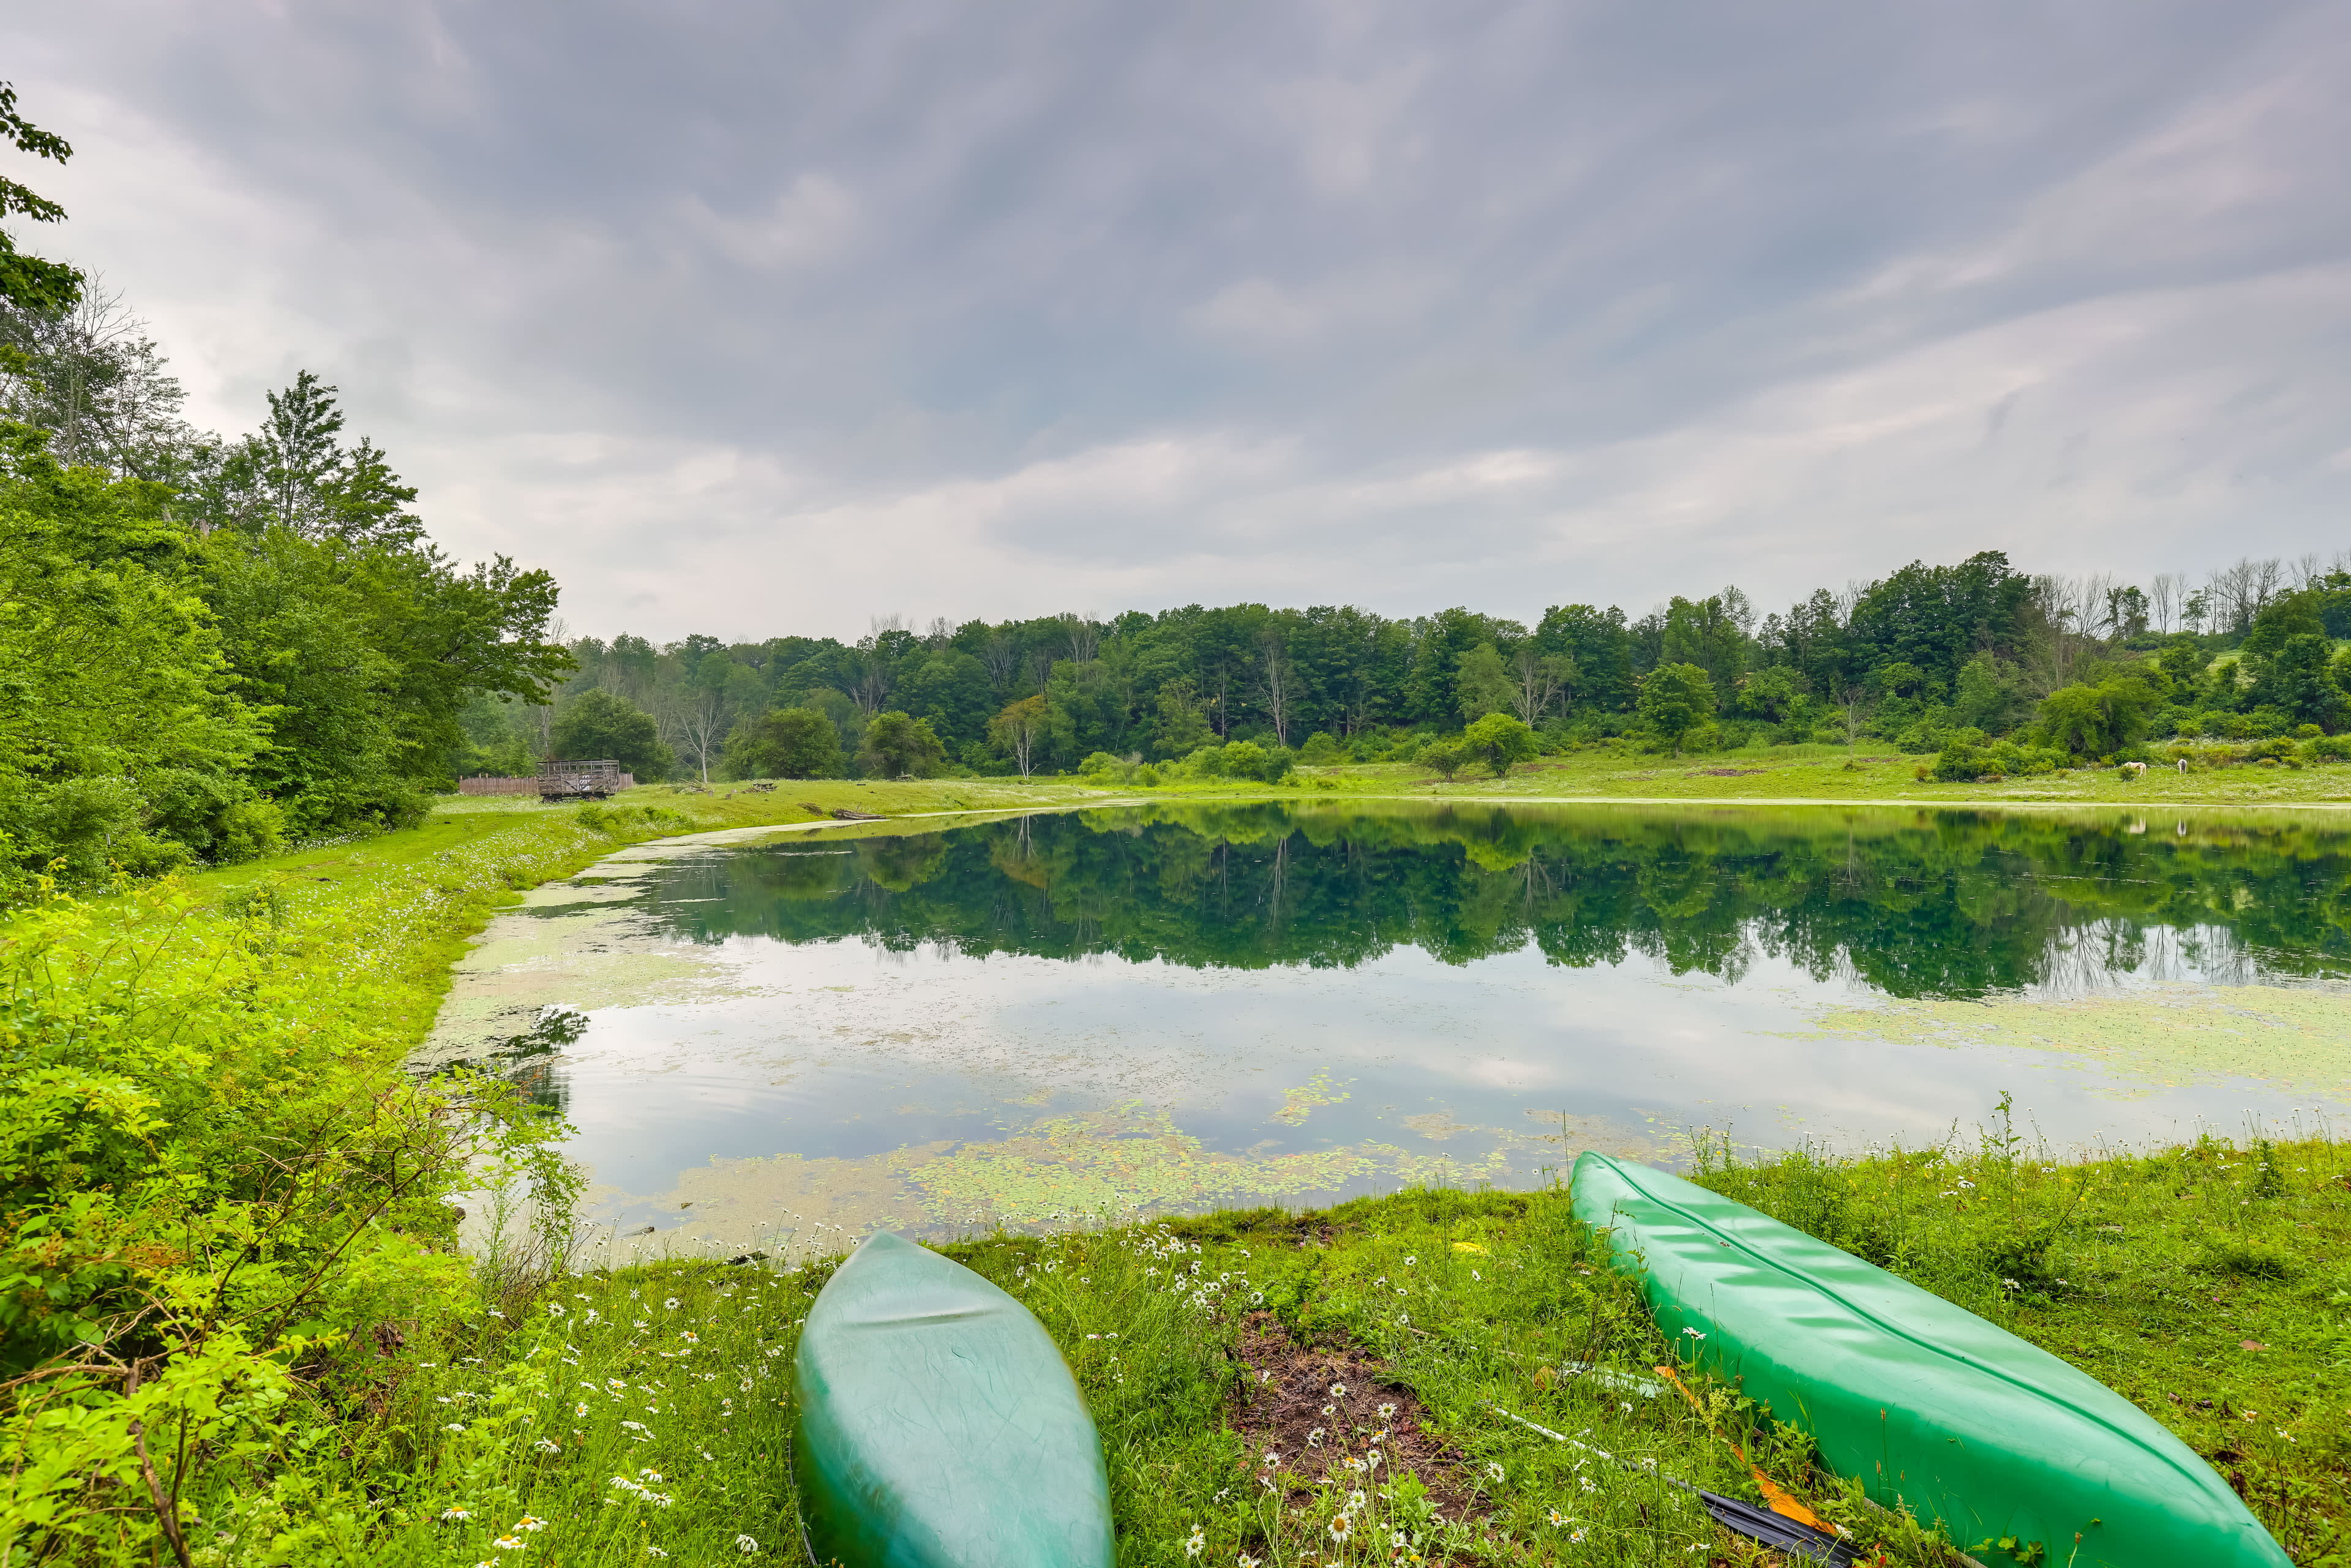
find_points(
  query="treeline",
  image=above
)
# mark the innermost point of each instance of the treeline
(2000, 670)
(212, 646)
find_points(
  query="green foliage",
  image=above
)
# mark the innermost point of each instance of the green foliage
(122, 739)
(1675, 700)
(28, 282)
(1322, 750)
(1499, 740)
(2095, 721)
(1444, 757)
(220, 1183)
(1967, 755)
(1481, 682)
(788, 743)
(1019, 729)
(597, 724)
(899, 746)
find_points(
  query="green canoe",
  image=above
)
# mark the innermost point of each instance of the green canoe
(939, 1426)
(1929, 1405)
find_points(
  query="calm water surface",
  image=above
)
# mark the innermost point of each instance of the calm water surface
(1172, 1009)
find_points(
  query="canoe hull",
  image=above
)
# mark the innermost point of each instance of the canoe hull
(1927, 1404)
(938, 1426)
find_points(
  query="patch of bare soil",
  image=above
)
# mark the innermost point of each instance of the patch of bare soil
(1315, 1403)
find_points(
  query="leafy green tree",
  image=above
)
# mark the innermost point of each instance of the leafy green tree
(1482, 682)
(897, 745)
(1320, 750)
(1445, 757)
(2097, 721)
(1017, 730)
(28, 282)
(2299, 680)
(122, 740)
(2183, 661)
(597, 724)
(950, 688)
(1499, 740)
(1180, 724)
(1675, 700)
(1265, 764)
(788, 743)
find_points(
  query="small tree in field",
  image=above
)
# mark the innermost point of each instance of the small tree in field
(1499, 740)
(896, 744)
(1016, 730)
(1675, 700)
(1447, 757)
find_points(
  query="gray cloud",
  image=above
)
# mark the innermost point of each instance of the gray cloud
(746, 320)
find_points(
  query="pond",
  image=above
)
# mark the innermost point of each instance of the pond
(951, 1024)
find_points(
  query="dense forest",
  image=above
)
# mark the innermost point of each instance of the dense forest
(212, 645)
(1994, 670)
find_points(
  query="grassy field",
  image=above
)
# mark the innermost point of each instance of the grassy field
(1352, 1387)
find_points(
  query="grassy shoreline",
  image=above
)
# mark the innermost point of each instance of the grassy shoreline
(343, 1413)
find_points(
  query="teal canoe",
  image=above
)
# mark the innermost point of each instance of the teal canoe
(939, 1426)
(1927, 1404)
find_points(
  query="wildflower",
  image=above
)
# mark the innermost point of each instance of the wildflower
(1245, 1560)
(455, 1426)
(454, 1512)
(580, 1409)
(1695, 1333)
(633, 1426)
(497, 1315)
(1314, 1438)
(1372, 1459)
(655, 1552)
(1495, 1471)
(1387, 1412)
(1404, 1320)
(554, 1309)
(1968, 1186)
(1342, 1527)
(1338, 1391)
(1410, 1261)
(530, 1521)
(1575, 1535)
(1272, 1458)
(616, 1383)
(746, 1545)
(1330, 1409)
(548, 1446)
(671, 1303)
(1557, 1519)
(1195, 1542)
(506, 1543)
(652, 1475)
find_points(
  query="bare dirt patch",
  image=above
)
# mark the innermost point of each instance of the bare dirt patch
(1317, 1406)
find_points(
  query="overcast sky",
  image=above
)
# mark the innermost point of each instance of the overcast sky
(753, 318)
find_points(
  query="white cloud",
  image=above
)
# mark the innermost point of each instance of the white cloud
(951, 313)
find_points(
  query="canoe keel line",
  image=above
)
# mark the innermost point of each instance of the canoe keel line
(1931, 1407)
(938, 1425)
